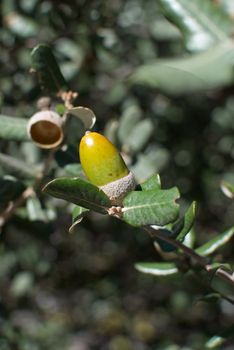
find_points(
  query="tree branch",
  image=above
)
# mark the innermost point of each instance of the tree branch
(200, 260)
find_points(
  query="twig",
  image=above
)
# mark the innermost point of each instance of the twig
(10, 210)
(200, 260)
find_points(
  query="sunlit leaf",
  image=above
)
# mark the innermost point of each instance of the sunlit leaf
(158, 268)
(202, 22)
(155, 207)
(217, 242)
(204, 71)
(80, 192)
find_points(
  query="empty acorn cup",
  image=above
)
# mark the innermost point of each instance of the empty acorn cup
(45, 128)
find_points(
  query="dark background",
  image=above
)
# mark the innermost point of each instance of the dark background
(81, 291)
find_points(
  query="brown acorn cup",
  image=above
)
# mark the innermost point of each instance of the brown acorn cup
(45, 129)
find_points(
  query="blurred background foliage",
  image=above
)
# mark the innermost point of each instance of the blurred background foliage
(81, 291)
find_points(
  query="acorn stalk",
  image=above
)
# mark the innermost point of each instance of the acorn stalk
(104, 167)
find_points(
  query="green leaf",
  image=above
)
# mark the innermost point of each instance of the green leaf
(131, 116)
(139, 135)
(86, 115)
(45, 64)
(17, 167)
(182, 227)
(202, 22)
(80, 192)
(155, 207)
(77, 215)
(153, 183)
(228, 189)
(157, 269)
(204, 71)
(211, 246)
(14, 129)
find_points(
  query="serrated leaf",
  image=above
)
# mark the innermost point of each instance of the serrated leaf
(78, 213)
(86, 115)
(17, 167)
(228, 189)
(211, 246)
(14, 129)
(157, 269)
(202, 22)
(182, 227)
(151, 207)
(80, 192)
(204, 71)
(153, 183)
(46, 66)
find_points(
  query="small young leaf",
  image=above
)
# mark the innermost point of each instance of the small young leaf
(215, 243)
(77, 215)
(14, 129)
(155, 207)
(157, 269)
(45, 64)
(80, 192)
(184, 224)
(85, 114)
(153, 183)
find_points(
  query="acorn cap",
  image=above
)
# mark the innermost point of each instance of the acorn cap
(118, 189)
(45, 128)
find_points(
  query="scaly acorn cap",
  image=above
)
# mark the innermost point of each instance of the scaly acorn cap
(45, 128)
(104, 167)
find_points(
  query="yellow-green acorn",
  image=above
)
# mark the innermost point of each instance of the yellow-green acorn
(104, 166)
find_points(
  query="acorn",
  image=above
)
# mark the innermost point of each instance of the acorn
(104, 167)
(45, 128)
